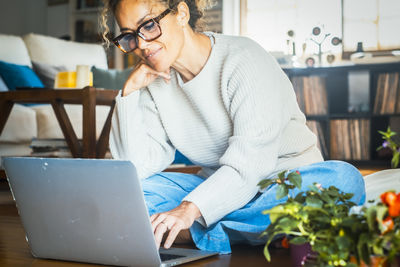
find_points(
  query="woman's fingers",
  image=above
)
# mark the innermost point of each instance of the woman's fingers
(157, 220)
(159, 233)
(173, 233)
(142, 76)
(164, 75)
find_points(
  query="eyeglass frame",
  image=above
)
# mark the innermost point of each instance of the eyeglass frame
(136, 33)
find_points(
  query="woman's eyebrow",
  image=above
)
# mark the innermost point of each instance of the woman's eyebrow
(139, 22)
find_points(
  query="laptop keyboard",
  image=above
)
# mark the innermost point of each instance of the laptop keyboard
(167, 257)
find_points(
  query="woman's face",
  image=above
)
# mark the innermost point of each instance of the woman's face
(162, 52)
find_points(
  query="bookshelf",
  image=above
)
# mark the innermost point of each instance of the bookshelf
(84, 27)
(345, 107)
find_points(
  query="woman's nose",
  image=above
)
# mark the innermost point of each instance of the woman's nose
(141, 43)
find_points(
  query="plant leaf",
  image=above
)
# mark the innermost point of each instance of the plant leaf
(313, 201)
(282, 191)
(295, 179)
(266, 182)
(281, 175)
(395, 159)
(298, 240)
(266, 253)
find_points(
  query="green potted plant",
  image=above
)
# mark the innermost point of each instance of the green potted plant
(324, 219)
(392, 145)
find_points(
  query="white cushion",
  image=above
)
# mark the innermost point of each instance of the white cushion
(380, 182)
(13, 50)
(57, 52)
(48, 126)
(21, 125)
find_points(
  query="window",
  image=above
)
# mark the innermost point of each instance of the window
(373, 22)
(268, 22)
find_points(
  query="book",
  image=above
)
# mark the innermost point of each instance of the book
(393, 83)
(379, 93)
(316, 128)
(311, 94)
(51, 142)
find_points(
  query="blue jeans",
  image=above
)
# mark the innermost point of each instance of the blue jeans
(165, 191)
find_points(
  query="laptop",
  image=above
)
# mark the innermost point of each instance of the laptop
(87, 210)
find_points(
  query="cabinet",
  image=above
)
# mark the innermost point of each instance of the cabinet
(347, 105)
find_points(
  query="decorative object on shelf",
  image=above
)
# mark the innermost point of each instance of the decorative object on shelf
(291, 43)
(310, 62)
(326, 219)
(391, 144)
(330, 58)
(359, 47)
(318, 37)
(291, 49)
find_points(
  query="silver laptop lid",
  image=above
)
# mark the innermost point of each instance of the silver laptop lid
(83, 210)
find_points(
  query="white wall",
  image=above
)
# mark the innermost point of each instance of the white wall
(19, 17)
(58, 20)
(231, 17)
(11, 17)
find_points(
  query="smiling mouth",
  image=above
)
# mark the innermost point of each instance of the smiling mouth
(151, 55)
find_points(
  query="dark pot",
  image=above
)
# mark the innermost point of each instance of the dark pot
(302, 254)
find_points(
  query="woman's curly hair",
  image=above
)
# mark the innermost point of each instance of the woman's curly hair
(196, 8)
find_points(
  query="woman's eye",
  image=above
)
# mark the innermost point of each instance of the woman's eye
(149, 26)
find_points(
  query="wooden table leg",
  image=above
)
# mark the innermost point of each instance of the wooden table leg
(5, 110)
(102, 143)
(67, 129)
(89, 123)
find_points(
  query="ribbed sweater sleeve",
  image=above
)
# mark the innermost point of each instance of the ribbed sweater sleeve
(258, 112)
(137, 134)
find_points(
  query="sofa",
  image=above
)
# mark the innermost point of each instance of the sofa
(44, 56)
(38, 121)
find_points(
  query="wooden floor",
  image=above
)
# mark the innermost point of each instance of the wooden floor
(14, 250)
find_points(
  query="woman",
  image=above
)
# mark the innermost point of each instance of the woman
(224, 103)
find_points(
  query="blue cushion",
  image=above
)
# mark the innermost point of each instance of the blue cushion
(19, 76)
(181, 159)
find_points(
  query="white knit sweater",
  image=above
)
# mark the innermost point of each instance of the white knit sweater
(238, 119)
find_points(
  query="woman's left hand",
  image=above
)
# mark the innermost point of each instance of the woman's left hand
(174, 221)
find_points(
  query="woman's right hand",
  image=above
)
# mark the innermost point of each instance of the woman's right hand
(142, 76)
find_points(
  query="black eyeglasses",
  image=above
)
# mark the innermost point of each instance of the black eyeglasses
(148, 31)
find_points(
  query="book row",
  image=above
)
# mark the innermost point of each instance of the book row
(349, 139)
(311, 94)
(387, 99)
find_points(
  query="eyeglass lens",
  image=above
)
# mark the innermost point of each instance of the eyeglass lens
(148, 32)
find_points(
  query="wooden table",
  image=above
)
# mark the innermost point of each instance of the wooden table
(14, 250)
(88, 97)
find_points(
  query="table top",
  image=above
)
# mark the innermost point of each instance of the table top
(68, 96)
(14, 250)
